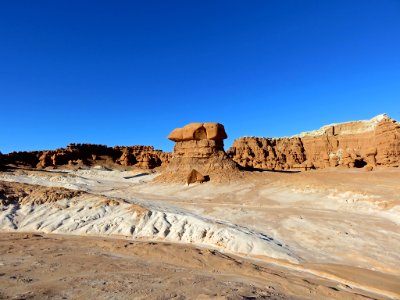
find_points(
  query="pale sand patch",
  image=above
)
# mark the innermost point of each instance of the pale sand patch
(56, 267)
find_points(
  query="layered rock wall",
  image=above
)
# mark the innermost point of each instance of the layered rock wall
(90, 154)
(371, 143)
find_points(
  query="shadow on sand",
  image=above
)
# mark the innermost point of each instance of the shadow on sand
(137, 175)
(250, 169)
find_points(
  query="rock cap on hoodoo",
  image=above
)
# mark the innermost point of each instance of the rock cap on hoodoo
(199, 131)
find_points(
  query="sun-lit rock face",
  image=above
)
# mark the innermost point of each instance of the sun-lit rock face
(77, 155)
(199, 146)
(198, 140)
(369, 143)
(199, 131)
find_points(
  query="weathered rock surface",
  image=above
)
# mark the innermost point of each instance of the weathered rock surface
(199, 131)
(20, 193)
(194, 177)
(371, 143)
(90, 154)
(199, 146)
(33, 208)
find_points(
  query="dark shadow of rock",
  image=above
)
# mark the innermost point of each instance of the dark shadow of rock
(251, 169)
(137, 175)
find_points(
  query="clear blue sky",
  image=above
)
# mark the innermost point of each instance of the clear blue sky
(128, 72)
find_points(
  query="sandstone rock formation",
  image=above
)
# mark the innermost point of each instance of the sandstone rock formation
(371, 143)
(195, 176)
(199, 146)
(78, 155)
(199, 131)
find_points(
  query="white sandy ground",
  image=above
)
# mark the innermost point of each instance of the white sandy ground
(84, 216)
(343, 217)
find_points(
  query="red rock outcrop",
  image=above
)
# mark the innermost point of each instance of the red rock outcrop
(145, 157)
(199, 146)
(371, 143)
(77, 155)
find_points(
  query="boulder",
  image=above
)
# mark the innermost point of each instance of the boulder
(199, 131)
(194, 131)
(194, 176)
(215, 131)
(369, 168)
(176, 135)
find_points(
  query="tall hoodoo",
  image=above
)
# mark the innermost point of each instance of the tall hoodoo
(198, 140)
(199, 146)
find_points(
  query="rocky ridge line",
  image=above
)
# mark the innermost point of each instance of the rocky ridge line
(358, 144)
(78, 155)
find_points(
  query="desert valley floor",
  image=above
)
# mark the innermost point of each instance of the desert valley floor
(106, 234)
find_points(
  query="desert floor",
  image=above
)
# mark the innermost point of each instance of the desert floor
(325, 234)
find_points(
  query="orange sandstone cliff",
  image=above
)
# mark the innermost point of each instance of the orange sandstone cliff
(370, 143)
